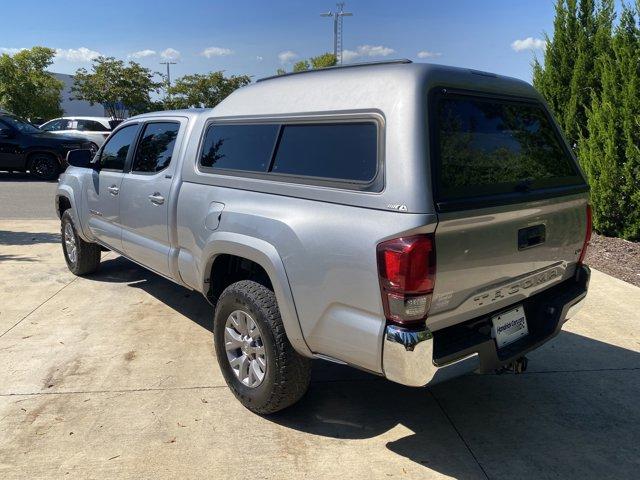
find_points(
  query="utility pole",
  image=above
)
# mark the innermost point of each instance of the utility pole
(337, 29)
(168, 64)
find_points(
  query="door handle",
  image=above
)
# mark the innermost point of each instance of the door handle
(531, 236)
(156, 198)
(113, 190)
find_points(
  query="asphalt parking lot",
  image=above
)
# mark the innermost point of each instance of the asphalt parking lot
(114, 376)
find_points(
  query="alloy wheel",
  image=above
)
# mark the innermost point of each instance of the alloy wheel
(44, 167)
(245, 348)
(70, 243)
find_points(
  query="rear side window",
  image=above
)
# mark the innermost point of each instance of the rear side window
(327, 151)
(114, 152)
(342, 151)
(156, 146)
(239, 147)
(489, 146)
(91, 126)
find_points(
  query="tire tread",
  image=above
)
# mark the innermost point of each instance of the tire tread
(88, 253)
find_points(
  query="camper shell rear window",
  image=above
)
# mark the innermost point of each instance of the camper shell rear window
(493, 150)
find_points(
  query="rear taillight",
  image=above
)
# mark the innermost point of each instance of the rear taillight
(587, 236)
(407, 271)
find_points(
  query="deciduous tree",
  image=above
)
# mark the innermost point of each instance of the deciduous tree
(26, 88)
(203, 90)
(321, 61)
(118, 87)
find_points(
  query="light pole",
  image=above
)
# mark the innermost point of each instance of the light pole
(168, 63)
(337, 29)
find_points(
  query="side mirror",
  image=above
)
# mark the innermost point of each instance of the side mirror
(81, 158)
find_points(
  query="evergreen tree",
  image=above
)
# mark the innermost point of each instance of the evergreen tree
(554, 76)
(610, 150)
(569, 76)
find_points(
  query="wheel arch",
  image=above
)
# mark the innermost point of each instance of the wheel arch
(65, 199)
(29, 154)
(266, 256)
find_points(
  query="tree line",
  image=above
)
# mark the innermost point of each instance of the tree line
(590, 77)
(28, 90)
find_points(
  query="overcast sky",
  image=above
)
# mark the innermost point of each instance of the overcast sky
(257, 37)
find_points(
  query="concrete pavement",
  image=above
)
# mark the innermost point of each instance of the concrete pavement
(114, 376)
(23, 196)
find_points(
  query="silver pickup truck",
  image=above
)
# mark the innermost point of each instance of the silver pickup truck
(415, 221)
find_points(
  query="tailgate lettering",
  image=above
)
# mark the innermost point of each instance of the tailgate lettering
(507, 291)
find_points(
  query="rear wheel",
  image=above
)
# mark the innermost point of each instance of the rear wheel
(81, 257)
(257, 360)
(44, 166)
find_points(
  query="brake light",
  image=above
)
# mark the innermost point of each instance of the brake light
(587, 236)
(407, 273)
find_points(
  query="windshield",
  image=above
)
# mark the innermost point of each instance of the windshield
(21, 125)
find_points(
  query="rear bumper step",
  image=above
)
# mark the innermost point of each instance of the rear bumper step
(421, 357)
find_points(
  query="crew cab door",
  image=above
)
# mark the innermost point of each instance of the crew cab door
(145, 197)
(102, 193)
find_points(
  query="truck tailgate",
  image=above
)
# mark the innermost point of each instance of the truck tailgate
(491, 258)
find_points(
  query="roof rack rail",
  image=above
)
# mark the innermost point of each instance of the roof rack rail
(339, 67)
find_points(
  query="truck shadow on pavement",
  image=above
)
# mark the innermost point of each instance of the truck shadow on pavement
(22, 177)
(573, 414)
(8, 237)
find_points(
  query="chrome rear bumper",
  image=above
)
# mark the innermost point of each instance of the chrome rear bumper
(408, 359)
(408, 355)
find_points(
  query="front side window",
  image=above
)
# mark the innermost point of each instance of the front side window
(239, 147)
(114, 152)
(341, 151)
(156, 147)
(488, 146)
(20, 125)
(56, 125)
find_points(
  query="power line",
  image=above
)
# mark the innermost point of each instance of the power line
(337, 29)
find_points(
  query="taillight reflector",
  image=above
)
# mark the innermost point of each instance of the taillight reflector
(587, 236)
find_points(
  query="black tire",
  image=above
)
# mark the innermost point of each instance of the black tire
(44, 166)
(87, 258)
(287, 373)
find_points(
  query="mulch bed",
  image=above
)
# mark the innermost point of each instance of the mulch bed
(616, 257)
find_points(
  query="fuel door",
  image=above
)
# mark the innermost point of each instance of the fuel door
(214, 213)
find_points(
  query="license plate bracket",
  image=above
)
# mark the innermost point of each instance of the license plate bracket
(510, 326)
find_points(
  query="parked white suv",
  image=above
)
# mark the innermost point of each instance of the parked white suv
(94, 129)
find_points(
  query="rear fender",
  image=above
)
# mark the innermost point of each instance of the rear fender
(265, 255)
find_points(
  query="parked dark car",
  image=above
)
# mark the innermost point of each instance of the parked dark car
(25, 147)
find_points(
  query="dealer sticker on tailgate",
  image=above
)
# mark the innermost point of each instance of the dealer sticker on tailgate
(509, 326)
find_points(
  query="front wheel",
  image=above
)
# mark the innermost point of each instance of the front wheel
(81, 257)
(257, 360)
(44, 166)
